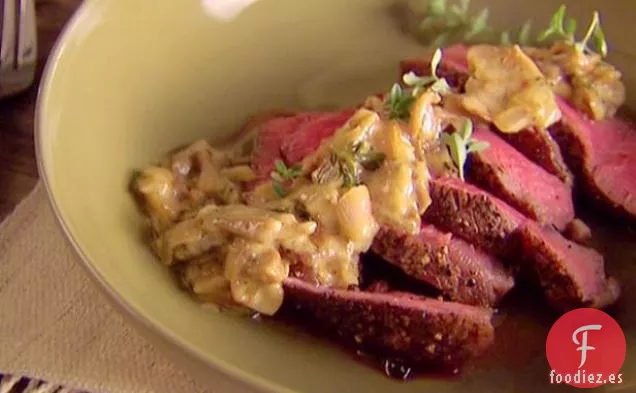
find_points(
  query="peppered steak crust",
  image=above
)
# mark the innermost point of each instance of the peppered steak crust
(571, 275)
(459, 270)
(423, 333)
(538, 145)
(475, 215)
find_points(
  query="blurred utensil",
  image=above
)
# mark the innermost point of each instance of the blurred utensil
(225, 10)
(18, 45)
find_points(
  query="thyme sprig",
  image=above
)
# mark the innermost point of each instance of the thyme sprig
(432, 82)
(283, 174)
(444, 23)
(399, 102)
(368, 158)
(523, 36)
(347, 165)
(562, 28)
(401, 99)
(460, 144)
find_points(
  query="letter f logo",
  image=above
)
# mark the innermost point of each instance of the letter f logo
(583, 344)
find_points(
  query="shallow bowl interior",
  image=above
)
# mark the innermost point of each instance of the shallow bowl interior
(132, 79)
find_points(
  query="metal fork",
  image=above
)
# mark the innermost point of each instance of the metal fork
(18, 46)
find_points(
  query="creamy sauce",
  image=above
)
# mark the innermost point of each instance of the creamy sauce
(593, 85)
(348, 216)
(507, 88)
(229, 244)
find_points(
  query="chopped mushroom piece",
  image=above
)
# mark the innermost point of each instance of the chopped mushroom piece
(356, 217)
(157, 189)
(256, 273)
(507, 88)
(592, 85)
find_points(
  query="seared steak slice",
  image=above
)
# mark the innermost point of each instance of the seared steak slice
(475, 215)
(421, 332)
(602, 154)
(538, 145)
(530, 189)
(458, 269)
(535, 144)
(571, 275)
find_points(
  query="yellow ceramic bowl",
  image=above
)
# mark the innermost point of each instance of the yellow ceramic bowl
(132, 79)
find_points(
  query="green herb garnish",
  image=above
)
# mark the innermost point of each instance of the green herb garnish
(596, 33)
(279, 189)
(368, 158)
(401, 99)
(556, 27)
(562, 29)
(431, 82)
(460, 143)
(347, 164)
(283, 174)
(342, 167)
(349, 172)
(437, 7)
(524, 33)
(505, 38)
(399, 102)
(443, 24)
(478, 25)
(354, 159)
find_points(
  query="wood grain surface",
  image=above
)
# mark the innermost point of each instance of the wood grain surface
(18, 170)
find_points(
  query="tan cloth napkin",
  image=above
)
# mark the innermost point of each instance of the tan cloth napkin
(55, 325)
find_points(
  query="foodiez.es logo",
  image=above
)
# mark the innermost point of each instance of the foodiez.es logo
(586, 348)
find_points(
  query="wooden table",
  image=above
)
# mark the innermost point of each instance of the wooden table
(18, 172)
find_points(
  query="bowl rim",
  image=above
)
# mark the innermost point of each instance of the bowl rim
(123, 306)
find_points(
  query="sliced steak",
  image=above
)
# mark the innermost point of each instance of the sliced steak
(308, 136)
(602, 155)
(571, 275)
(477, 216)
(459, 270)
(453, 67)
(535, 144)
(421, 332)
(269, 140)
(254, 123)
(292, 138)
(509, 175)
(538, 145)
